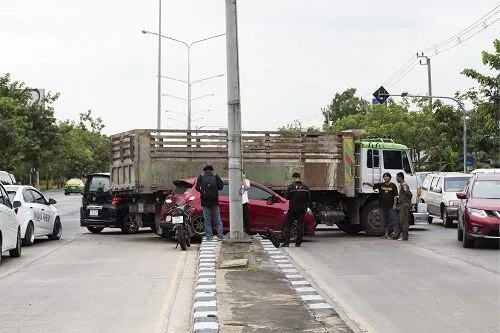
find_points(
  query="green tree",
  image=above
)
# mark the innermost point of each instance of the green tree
(343, 105)
(484, 123)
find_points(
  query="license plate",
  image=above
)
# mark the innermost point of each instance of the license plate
(94, 212)
(177, 219)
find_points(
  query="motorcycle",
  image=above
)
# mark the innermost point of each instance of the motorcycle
(177, 223)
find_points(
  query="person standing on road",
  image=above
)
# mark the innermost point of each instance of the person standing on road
(299, 198)
(387, 196)
(404, 206)
(209, 185)
(245, 185)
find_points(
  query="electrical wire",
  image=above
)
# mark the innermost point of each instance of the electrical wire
(474, 25)
(401, 70)
(403, 75)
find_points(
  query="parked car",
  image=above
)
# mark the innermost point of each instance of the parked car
(6, 178)
(491, 170)
(10, 231)
(74, 185)
(439, 193)
(265, 207)
(479, 209)
(100, 209)
(37, 216)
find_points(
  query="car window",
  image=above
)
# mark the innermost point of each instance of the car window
(97, 184)
(455, 184)
(181, 188)
(28, 197)
(440, 183)
(486, 189)
(12, 195)
(256, 193)
(38, 197)
(434, 182)
(393, 160)
(372, 159)
(427, 182)
(4, 198)
(225, 191)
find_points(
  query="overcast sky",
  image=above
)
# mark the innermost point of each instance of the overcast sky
(294, 54)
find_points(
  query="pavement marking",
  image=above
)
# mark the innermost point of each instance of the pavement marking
(171, 293)
(308, 294)
(205, 318)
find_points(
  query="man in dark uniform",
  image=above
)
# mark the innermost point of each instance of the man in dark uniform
(299, 198)
(387, 196)
(404, 206)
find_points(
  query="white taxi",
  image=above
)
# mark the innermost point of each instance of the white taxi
(37, 215)
(10, 231)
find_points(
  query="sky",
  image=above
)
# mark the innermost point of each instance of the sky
(294, 55)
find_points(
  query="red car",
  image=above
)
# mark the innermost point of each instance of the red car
(479, 209)
(265, 208)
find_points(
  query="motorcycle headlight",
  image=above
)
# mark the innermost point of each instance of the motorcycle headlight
(453, 203)
(477, 212)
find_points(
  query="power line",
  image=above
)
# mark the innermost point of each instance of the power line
(404, 75)
(460, 41)
(474, 25)
(402, 69)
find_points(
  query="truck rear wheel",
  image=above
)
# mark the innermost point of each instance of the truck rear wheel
(130, 225)
(350, 228)
(370, 219)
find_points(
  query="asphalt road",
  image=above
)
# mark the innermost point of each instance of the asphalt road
(108, 282)
(428, 284)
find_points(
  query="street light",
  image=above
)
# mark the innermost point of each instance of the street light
(188, 45)
(460, 104)
(185, 99)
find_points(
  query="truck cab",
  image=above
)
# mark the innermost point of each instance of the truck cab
(377, 156)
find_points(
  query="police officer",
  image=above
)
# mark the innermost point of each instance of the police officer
(299, 198)
(404, 206)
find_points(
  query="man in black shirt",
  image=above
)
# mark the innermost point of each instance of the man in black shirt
(387, 196)
(299, 198)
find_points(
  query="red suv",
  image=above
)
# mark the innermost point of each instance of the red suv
(479, 209)
(265, 208)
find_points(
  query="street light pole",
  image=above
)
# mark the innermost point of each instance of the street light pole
(429, 78)
(158, 119)
(188, 46)
(464, 113)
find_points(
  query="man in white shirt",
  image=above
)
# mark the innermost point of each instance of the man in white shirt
(245, 185)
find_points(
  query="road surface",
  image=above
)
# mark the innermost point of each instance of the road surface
(429, 284)
(108, 282)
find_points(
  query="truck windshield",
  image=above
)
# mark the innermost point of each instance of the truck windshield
(397, 160)
(455, 184)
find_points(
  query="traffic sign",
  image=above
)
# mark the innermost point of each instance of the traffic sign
(375, 102)
(469, 161)
(381, 95)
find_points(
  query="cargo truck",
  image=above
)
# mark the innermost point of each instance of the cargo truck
(146, 163)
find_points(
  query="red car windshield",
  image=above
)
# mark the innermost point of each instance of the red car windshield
(486, 189)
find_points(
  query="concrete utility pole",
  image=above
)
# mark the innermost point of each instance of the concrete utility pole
(234, 123)
(429, 77)
(158, 116)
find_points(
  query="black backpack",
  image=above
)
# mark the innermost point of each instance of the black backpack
(209, 189)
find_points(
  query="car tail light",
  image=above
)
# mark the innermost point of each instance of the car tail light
(115, 201)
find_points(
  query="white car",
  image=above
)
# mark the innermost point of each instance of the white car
(37, 215)
(10, 231)
(439, 192)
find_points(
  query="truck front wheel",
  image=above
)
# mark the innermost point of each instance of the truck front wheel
(370, 219)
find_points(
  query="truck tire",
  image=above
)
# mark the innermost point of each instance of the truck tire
(130, 225)
(350, 228)
(370, 219)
